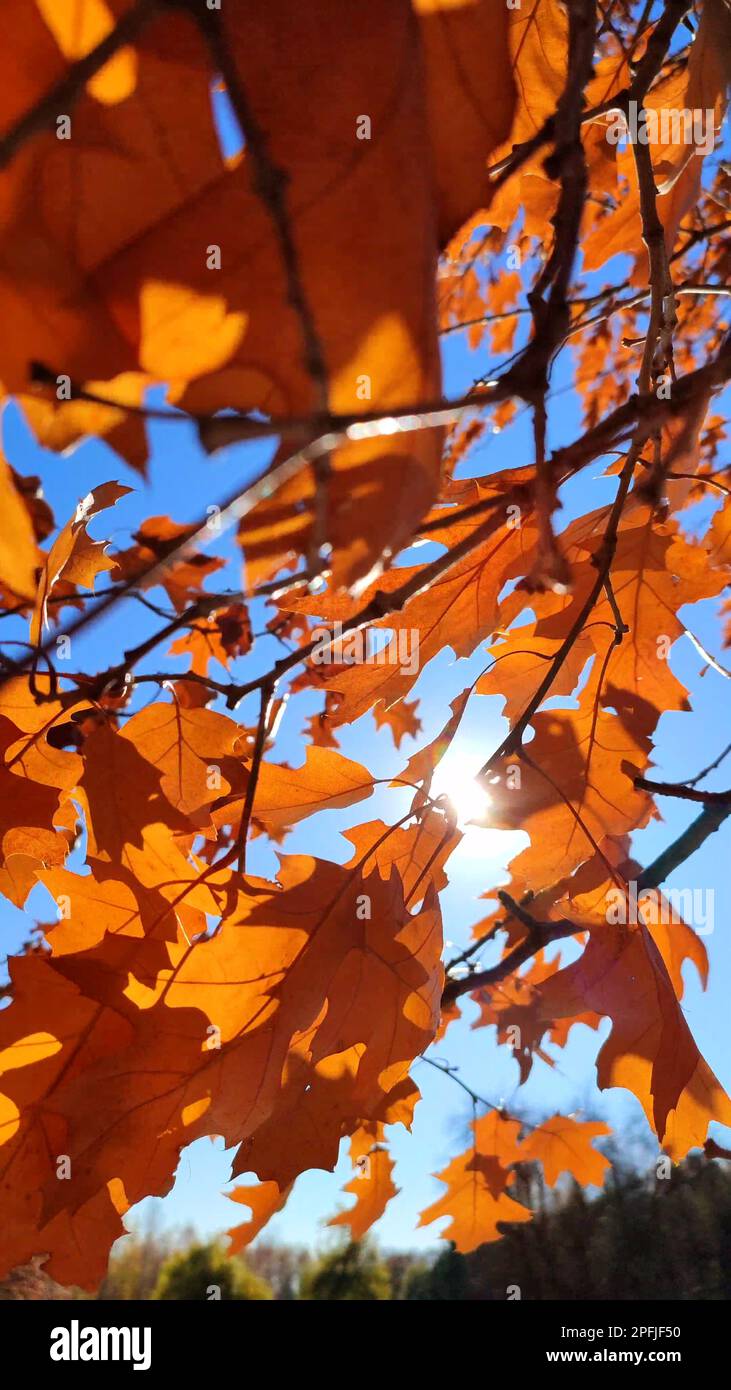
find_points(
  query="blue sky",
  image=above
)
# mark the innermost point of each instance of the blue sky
(182, 482)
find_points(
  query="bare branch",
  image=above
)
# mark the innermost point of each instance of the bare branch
(681, 849)
(713, 662)
(684, 792)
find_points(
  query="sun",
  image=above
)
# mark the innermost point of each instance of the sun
(455, 778)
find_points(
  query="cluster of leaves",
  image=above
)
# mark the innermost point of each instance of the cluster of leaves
(178, 995)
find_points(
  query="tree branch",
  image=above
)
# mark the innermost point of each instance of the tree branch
(693, 781)
(681, 849)
(266, 696)
(541, 934)
(270, 182)
(66, 91)
(684, 792)
(648, 410)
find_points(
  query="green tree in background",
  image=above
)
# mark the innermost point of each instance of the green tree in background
(403, 1266)
(351, 1273)
(203, 1269)
(446, 1279)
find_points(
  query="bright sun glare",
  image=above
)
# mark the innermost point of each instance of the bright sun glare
(455, 778)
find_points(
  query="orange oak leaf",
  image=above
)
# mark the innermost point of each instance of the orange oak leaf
(92, 906)
(183, 578)
(32, 1063)
(564, 1145)
(317, 1108)
(38, 751)
(204, 642)
(650, 1050)
(459, 609)
(401, 719)
(419, 852)
(285, 795)
(264, 1200)
(521, 660)
(476, 1199)
(299, 977)
(372, 1186)
(515, 1008)
(19, 556)
(565, 790)
(123, 795)
(28, 810)
(74, 556)
(189, 748)
(597, 894)
(656, 569)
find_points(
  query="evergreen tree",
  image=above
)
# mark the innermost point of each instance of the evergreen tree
(351, 1273)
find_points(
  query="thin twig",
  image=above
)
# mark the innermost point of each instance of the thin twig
(452, 1073)
(713, 661)
(693, 781)
(542, 934)
(270, 183)
(64, 93)
(603, 561)
(266, 697)
(620, 626)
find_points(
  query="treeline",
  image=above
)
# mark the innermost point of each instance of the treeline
(642, 1237)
